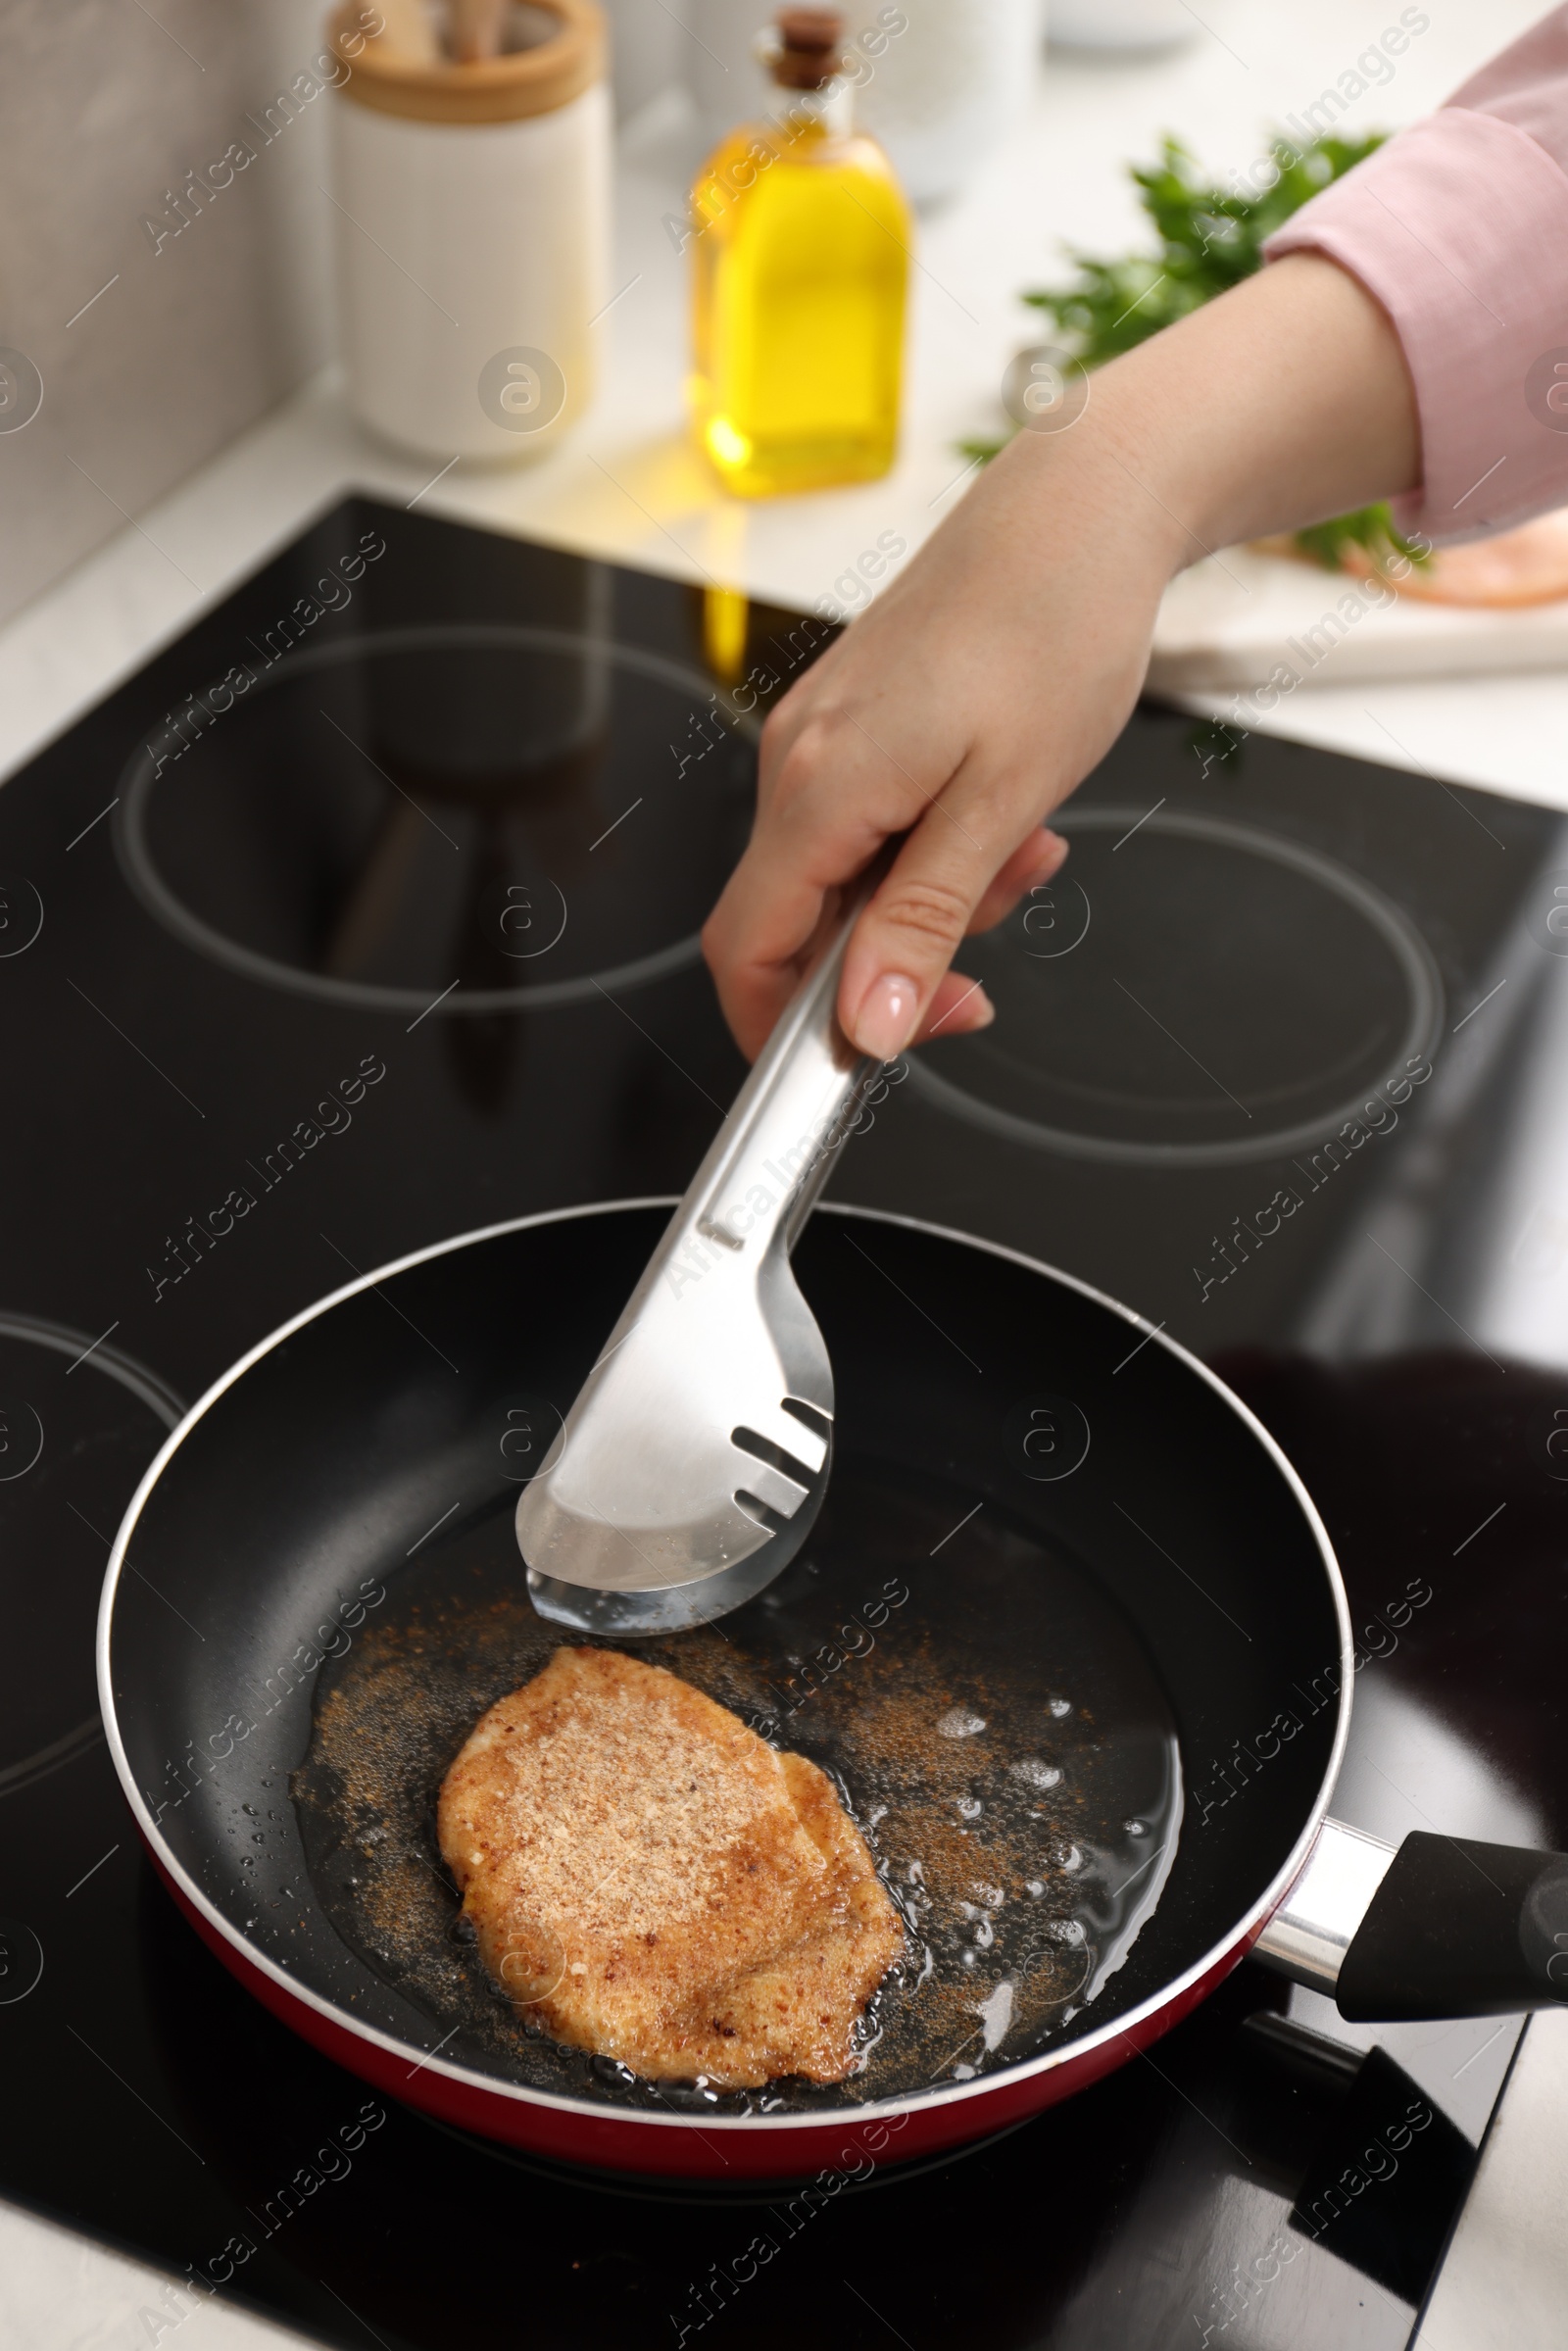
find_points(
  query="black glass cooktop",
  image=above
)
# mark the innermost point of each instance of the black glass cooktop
(368, 914)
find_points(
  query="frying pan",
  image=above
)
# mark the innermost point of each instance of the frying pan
(1069, 1635)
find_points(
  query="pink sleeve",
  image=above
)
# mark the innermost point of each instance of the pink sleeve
(1460, 228)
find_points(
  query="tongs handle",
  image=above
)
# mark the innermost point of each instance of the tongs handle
(772, 1155)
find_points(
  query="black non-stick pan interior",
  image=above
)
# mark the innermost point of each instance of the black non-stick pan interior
(1057, 1578)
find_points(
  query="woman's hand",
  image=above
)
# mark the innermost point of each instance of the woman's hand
(965, 704)
(994, 672)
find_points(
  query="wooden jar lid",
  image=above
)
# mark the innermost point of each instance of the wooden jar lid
(497, 89)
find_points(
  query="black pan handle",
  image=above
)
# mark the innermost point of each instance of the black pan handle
(1444, 1927)
(1459, 1929)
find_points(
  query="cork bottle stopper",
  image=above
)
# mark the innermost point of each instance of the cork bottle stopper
(808, 49)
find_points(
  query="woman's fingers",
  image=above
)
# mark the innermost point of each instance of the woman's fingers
(753, 988)
(961, 866)
(757, 972)
(830, 799)
(958, 1005)
(827, 802)
(1033, 863)
(957, 1008)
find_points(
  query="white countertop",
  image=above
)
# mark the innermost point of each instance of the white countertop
(61, 2292)
(627, 486)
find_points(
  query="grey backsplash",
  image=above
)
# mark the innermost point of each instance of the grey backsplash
(105, 106)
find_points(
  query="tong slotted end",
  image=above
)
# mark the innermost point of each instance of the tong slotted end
(694, 1463)
(677, 1608)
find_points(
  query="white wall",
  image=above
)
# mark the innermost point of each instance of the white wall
(104, 106)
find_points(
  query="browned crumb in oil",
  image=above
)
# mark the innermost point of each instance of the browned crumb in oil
(407, 1698)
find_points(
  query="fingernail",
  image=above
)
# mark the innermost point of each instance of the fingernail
(1059, 845)
(885, 1022)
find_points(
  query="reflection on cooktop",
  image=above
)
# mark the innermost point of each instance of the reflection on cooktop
(495, 816)
(79, 1424)
(1188, 991)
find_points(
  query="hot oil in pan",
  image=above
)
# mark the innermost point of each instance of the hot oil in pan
(988, 1715)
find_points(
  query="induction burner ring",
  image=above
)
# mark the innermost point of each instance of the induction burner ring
(140, 776)
(85, 1363)
(1416, 968)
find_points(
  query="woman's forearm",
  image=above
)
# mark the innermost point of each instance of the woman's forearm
(1288, 401)
(1283, 401)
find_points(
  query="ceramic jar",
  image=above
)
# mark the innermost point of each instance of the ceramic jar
(471, 208)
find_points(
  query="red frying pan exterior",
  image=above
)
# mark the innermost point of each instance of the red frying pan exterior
(729, 2151)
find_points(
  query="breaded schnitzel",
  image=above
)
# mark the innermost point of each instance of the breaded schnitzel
(654, 1883)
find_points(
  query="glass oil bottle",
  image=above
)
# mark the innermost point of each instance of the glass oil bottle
(801, 254)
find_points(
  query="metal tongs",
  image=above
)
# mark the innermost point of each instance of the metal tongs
(693, 1463)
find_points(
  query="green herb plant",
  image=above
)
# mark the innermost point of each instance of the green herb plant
(1209, 239)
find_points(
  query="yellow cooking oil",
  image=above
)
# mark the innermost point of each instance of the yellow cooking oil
(800, 251)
